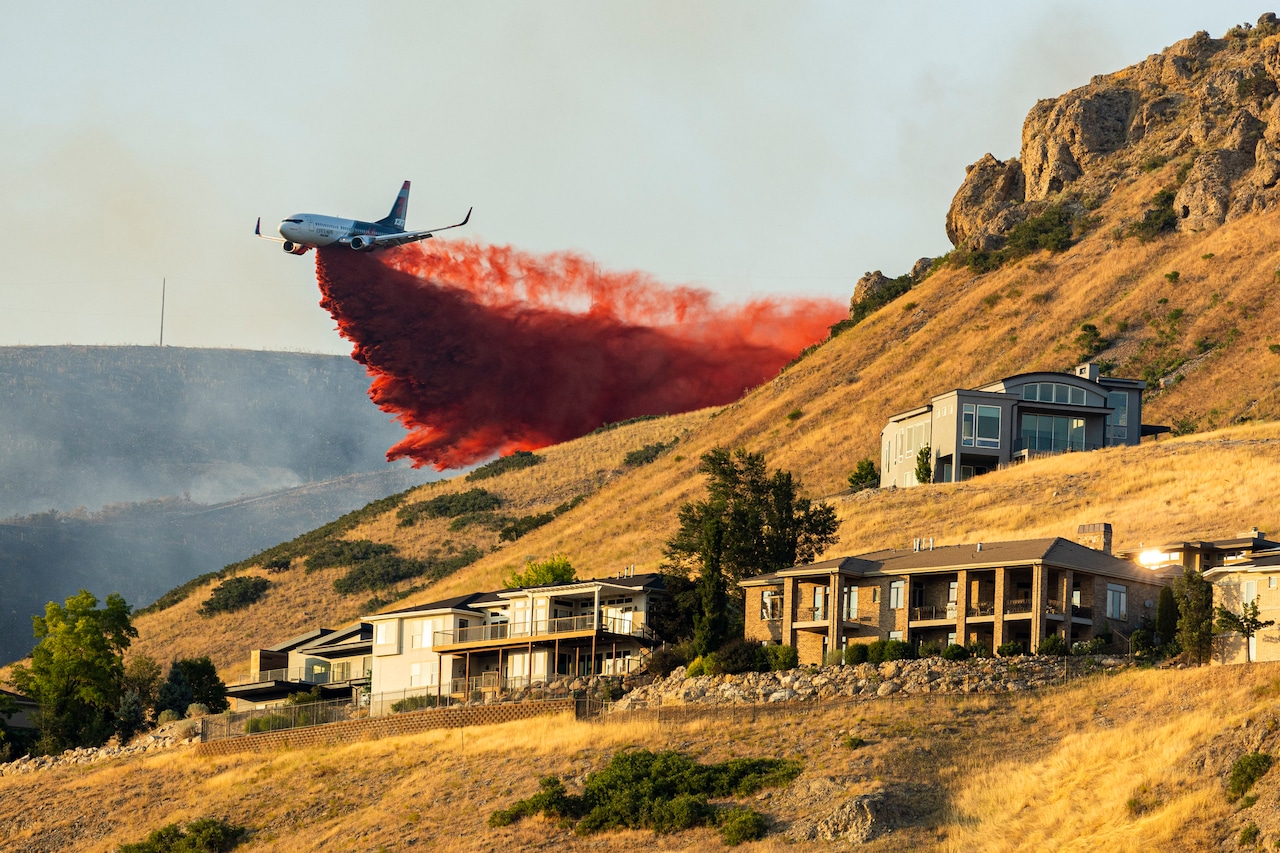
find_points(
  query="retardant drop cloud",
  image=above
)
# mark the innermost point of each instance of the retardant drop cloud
(484, 349)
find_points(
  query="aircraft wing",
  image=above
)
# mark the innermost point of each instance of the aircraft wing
(385, 241)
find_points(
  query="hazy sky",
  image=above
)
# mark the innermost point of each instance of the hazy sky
(751, 147)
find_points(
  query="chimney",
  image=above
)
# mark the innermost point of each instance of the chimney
(1095, 536)
(979, 546)
(1088, 370)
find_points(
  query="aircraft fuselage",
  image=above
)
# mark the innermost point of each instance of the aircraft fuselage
(312, 229)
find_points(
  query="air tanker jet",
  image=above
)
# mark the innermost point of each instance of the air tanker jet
(305, 231)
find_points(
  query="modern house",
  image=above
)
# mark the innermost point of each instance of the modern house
(1201, 554)
(492, 642)
(1254, 578)
(973, 431)
(477, 645)
(989, 592)
(339, 662)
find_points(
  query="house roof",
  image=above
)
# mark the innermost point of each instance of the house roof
(1262, 562)
(300, 640)
(20, 700)
(472, 602)
(1058, 552)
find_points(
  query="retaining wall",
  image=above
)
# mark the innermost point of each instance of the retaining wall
(412, 722)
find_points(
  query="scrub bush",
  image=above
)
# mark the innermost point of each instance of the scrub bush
(782, 658)
(855, 653)
(1246, 770)
(1011, 649)
(955, 651)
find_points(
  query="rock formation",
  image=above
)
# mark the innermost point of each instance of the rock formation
(1207, 105)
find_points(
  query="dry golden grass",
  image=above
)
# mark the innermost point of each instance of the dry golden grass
(1119, 762)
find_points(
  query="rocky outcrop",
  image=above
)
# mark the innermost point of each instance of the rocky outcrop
(1209, 104)
(870, 286)
(866, 681)
(92, 755)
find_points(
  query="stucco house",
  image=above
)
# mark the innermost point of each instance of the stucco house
(1200, 554)
(339, 662)
(989, 592)
(973, 431)
(1235, 584)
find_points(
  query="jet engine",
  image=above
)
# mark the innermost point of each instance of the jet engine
(294, 248)
(363, 244)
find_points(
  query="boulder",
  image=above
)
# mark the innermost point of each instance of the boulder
(989, 189)
(871, 285)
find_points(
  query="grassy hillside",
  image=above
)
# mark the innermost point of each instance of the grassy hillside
(1129, 762)
(955, 329)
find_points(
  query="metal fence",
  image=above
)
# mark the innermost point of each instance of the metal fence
(241, 723)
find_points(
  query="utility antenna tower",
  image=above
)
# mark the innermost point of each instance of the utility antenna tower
(164, 283)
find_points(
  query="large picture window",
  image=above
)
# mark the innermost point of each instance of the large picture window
(968, 427)
(1052, 433)
(897, 595)
(1118, 420)
(1117, 602)
(988, 433)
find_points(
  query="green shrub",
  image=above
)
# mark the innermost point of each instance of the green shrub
(1246, 770)
(1096, 646)
(342, 552)
(864, 476)
(833, 657)
(853, 742)
(648, 453)
(207, 835)
(1248, 835)
(449, 506)
(168, 716)
(663, 791)
(235, 594)
(955, 651)
(267, 723)
(628, 422)
(523, 525)
(662, 661)
(386, 570)
(196, 710)
(875, 651)
(978, 649)
(413, 703)
(1010, 649)
(1052, 645)
(740, 824)
(898, 650)
(930, 649)
(1051, 230)
(741, 656)
(781, 658)
(1159, 218)
(696, 668)
(855, 653)
(516, 461)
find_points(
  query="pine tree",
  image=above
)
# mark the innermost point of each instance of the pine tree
(1194, 597)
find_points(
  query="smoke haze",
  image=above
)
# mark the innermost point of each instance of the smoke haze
(481, 349)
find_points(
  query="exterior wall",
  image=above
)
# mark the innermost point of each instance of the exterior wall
(757, 629)
(899, 443)
(809, 646)
(1228, 591)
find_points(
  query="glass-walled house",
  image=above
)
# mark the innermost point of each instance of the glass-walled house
(973, 431)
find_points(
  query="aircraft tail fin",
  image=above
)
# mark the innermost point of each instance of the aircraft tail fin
(399, 210)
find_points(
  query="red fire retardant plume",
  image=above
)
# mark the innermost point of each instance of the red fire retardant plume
(482, 349)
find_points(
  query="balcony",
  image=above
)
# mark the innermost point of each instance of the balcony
(811, 614)
(300, 675)
(1039, 447)
(982, 608)
(544, 628)
(934, 612)
(1017, 605)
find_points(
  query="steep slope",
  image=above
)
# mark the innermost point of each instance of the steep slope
(1205, 338)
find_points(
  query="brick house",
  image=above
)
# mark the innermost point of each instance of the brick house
(989, 592)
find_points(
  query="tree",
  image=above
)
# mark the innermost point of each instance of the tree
(1194, 597)
(865, 476)
(924, 465)
(1246, 623)
(556, 569)
(175, 694)
(751, 522)
(142, 676)
(206, 687)
(77, 669)
(1167, 617)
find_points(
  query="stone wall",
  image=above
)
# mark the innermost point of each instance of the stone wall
(412, 722)
(930, 675)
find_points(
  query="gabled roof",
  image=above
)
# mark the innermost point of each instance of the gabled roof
(1058, 552)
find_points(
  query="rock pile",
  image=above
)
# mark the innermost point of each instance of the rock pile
(92, 755)
(915, 677)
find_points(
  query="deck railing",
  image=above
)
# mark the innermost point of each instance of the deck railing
(933, 611)
(304, 675)
(1017, 605)
(542, 628)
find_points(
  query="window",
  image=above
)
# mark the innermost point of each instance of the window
(770, 604)
(875, 595)
(1053, 392)
(386, 633)
(1250, 592)
(988, 426)
(849, 604)
(1118, 420)
(1052, 433)
(1271, 583)
(415, 674)
(1117, 602)
(819, 602)
(897, 595)
(967, 427)
(416, 630)
(895, 635)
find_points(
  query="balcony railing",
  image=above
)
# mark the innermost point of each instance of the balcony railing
(543, 628)
(982, 608)
(305, 675)
(933, 611)
(811, 614)
(1017, 605)
(1037, 446)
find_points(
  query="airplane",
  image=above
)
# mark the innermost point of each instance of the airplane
(305, 231)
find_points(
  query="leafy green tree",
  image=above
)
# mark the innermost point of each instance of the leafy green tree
(1194, 597)
(206, 687)
(1167, 617)
(142, 676)
(175, 694)
(77, 669)
(1246, 623)
(924, 465)
(751, 522)
(865, 476)
(555, 569)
